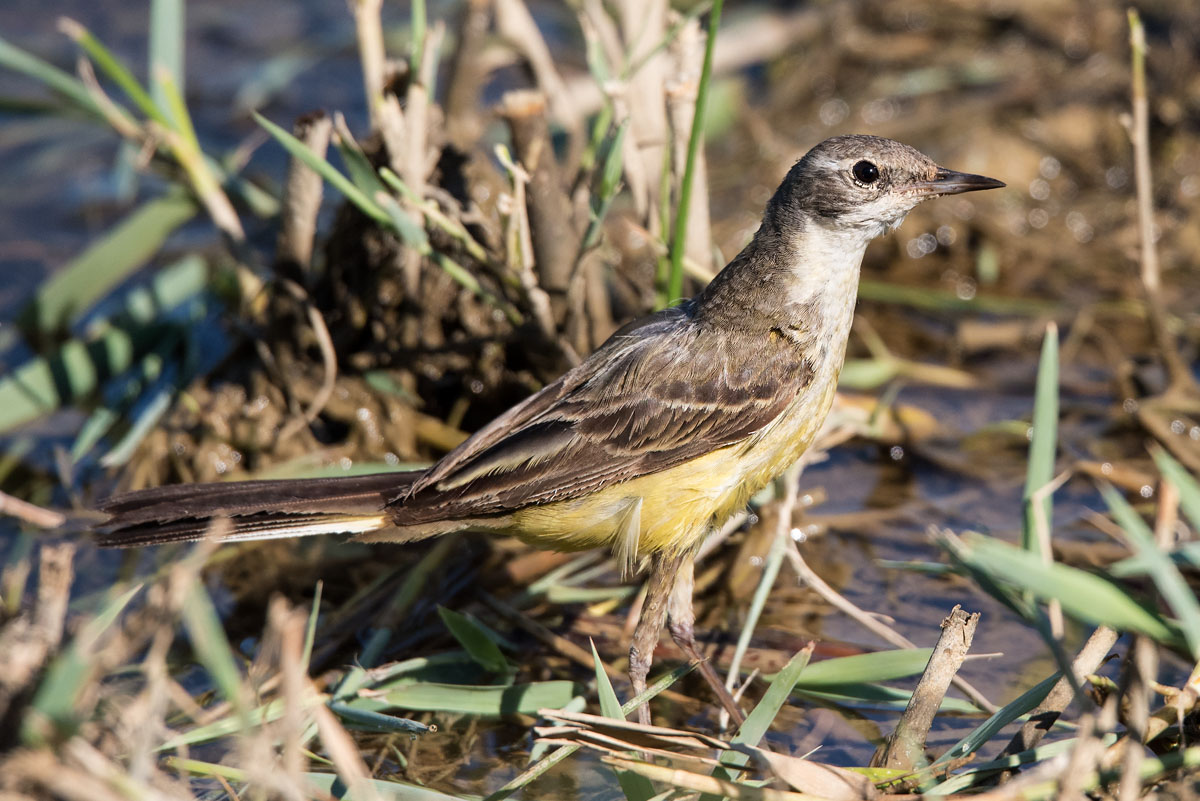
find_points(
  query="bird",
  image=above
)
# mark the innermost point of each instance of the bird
(652, 442)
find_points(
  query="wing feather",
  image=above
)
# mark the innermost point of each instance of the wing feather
(652, 398)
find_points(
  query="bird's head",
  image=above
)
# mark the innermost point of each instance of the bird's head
(866, 184)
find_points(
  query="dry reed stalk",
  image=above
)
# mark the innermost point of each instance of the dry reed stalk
(687, 54)
(554, 236)
(905, 748)
(643, 24)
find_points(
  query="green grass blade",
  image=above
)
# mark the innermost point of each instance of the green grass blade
(232, 724)
(610, 183)
(759, 600)
(107, 262)
(466, 699)
(862, 668)
(310, 630)
(418, 25)
(876, 696)
(45, 384)
(760, 719)
(1160, 566)
(475, 641)
(941, 300)
(635, 786)
(984, 732)
(116, 70)
(146, 421)
(166, 53)
(1043, 444)
(67, 85)
(674, 287)
(539, 768)
(326, 170)
(366, 720)
(969, 778)
(210, 645)
(328, 785)
(1185, 482)
(55, 703)
(1083, 595)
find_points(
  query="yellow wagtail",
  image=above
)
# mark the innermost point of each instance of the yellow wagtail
(651, 443)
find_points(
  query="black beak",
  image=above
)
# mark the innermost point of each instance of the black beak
(949, 182)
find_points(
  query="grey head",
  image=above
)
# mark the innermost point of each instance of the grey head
(864, 183)
(803, 262)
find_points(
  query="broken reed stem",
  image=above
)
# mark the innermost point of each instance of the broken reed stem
(679, 232)
(554, 238)
(27, 642)
(368, 29)
(515, 24)
(412, 161)
(468, 75)
(905, 749)
(302, 195)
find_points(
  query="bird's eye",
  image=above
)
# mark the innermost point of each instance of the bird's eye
(865, 172)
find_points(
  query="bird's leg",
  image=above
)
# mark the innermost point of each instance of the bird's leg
(682, 620)
(649, 626)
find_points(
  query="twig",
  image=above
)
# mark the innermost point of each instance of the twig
(905, 749)
(1041, 719)
(328, 360)
(1140, 134)
(1140, 668)
(519, 245)
(783, 527)
(808, 576)
(1041, 529)
(30, 513)
(1182, 381)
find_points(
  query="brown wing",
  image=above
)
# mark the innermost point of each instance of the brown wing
(656, 395)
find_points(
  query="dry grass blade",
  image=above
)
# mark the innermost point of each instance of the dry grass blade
(638, 735)
(824, 781)
(713, 785)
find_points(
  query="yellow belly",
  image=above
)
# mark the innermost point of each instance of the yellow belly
(679, 506)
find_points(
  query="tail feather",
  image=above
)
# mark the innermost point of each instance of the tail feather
(252, 510)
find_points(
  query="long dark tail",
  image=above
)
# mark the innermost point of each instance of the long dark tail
(252, 510)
